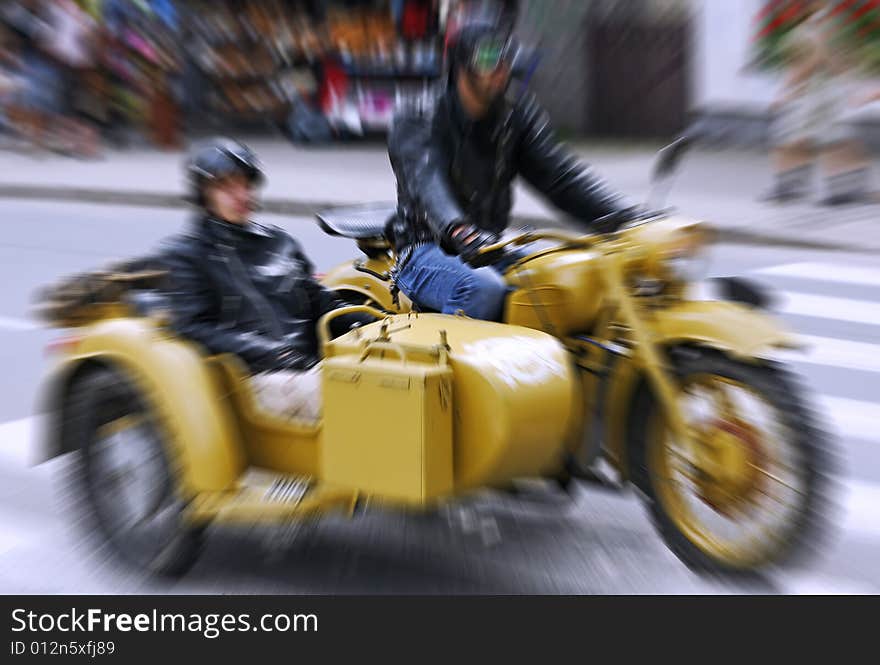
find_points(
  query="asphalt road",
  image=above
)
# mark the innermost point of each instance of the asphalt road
(593, 543)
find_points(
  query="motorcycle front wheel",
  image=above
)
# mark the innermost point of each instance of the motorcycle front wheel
(753, 492)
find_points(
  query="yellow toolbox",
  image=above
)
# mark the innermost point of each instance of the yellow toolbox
(388, 422)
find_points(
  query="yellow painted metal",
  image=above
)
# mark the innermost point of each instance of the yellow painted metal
(388, 424)
(346, 277)
(513, 390)
(197, 422)
(646, 347)
(650, 245)
(618, 413)
(556, 292)
(737, 329)
(324, 324)
(270, 441)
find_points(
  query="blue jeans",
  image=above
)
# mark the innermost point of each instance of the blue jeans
(435, 280)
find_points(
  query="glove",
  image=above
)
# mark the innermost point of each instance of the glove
(614, 221)
(467, 240)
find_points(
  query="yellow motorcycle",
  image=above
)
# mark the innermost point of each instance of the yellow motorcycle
(677, 395)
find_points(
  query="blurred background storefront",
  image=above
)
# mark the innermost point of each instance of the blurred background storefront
(322, 70)
(316, 69)
(326, 70)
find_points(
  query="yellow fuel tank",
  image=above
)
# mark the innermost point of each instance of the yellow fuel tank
(556, 291)
(512, 400)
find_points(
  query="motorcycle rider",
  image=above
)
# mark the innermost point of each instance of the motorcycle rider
(244, 288)
(455, 163)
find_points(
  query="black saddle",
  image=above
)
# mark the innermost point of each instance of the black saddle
(357, 222)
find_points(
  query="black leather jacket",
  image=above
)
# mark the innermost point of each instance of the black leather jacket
(452, 170)
(248, 290)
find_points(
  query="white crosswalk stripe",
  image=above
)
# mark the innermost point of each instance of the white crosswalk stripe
(851, 418)
(17, 441)
(835, 353)
(828, 307)
(826, 272)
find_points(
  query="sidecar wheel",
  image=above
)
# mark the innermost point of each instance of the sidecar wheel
(124, 474)
(758, 497)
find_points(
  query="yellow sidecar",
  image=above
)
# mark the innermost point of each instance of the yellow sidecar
(417, 408)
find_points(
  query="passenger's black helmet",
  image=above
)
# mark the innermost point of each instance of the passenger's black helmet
(218, 158)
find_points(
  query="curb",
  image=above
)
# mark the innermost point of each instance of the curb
(307, 208)
(144, 199)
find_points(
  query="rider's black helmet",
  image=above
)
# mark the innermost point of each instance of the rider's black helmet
(218, 158)
(482, 36)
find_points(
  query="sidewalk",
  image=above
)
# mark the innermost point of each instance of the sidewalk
(720, 187)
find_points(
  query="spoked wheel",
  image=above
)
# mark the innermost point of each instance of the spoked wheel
(752, 493)
(126, 477)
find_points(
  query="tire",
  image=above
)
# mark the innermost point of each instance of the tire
(800, 534)
(159, 541)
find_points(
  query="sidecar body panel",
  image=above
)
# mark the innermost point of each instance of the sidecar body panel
(184, 393)
(388, 427)
(513, 397)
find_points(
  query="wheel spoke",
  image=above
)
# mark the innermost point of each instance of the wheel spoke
(727, 407)
(775, 478)
(687, 468)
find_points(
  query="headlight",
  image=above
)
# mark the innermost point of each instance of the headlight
(686, 258)
(689, 268)
(672, 251)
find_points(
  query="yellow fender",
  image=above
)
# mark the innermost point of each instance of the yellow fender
(737, 329)
(740, 331)
(172, 374)
(346, 277)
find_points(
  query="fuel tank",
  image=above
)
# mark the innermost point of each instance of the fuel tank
(556, 291)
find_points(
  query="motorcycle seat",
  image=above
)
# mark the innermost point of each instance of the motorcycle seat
(357, 222)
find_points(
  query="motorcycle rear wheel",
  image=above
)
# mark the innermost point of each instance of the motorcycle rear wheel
(696, 505)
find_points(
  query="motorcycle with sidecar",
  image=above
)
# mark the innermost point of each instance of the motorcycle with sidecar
(603, 369)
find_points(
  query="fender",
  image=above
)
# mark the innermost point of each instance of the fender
(173, 376)
(365, 282)
(742, 332)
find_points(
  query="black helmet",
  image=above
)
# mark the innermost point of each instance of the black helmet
(483, 37)
(217, 158)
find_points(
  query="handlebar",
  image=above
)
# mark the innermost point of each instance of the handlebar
(534, 236)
